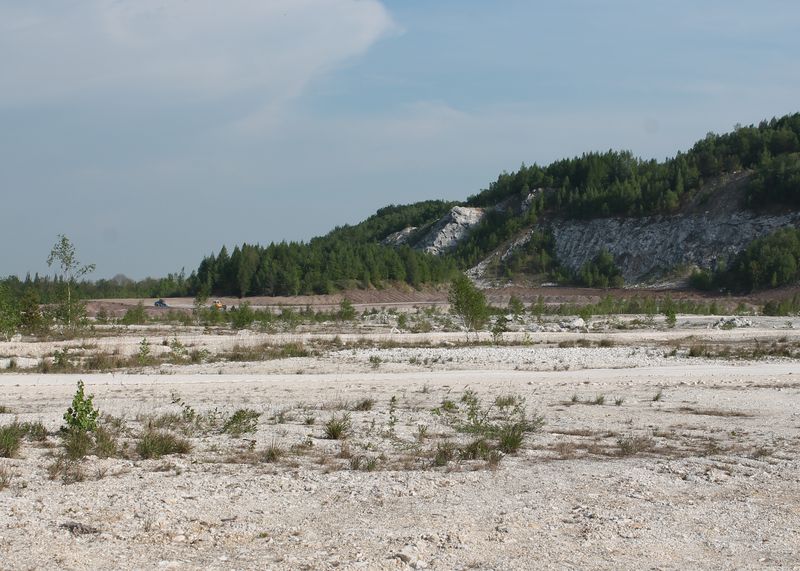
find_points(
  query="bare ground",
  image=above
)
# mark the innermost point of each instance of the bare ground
(646, 459)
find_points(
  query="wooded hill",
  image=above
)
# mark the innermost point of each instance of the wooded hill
(593, 185)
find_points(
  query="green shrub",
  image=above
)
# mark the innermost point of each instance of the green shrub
(81, 415)
(242, 421)
(135, 315)
(338, 427)
(10, 440)
(155, 444)
(76, 443)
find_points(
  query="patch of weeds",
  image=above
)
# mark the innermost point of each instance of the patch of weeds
(505, 401)
(5, 409)
(510, 436)
(478, 449)
(448, 405)
(574, 399)
(5, 477)
(338, 427)
(565, 449)
(155, 444)
(599, 400)
(179, 351)
(309, 420)
(76, 443)
(70, 471)
(364, 405)
(659, 396)
(631, 445)
(375, 361)
(10, 440)
(422, 432)
(392, 413)
(242, 421)
(272, 453)
(105, 443)
(761, 452)
(698, 350)
(34, 431)
(445, 453)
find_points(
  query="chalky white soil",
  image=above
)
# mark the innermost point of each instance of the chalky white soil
(716, 487)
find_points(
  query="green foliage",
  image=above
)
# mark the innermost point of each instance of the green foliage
(70, 311)
(144, 355)
(500, 326)
(468, 302)
(81, 416)
(135, 315)
(155, 444)
(242, 421)
(601, 272)
(516, 306)
(338, 427)
(777, 182)
(243, 316)
(346, 310)
(10, 440)
(767, 262)
(9, 313)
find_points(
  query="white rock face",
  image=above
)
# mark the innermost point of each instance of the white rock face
(651, 246)
(451, 229)
(398, 238)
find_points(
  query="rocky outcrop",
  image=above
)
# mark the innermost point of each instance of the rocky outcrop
(647, 248)
(450, 230)
(399, 238)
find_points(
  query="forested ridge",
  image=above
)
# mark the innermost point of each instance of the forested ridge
(595, 184)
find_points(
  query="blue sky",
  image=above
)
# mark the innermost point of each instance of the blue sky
(151, 132)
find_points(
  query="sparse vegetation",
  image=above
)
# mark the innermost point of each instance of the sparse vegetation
(338, 427)
(157, 443)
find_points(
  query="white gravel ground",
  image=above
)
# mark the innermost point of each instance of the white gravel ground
(717, 487)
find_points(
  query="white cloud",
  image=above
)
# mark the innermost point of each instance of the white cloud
(187, 48)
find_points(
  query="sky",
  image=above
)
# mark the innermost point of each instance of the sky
(152, 132)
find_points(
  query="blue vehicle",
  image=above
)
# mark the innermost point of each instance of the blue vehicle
(161, 303)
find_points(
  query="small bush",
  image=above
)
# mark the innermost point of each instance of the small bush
(34, 430)
(510, 436)
(76, 443)
(105, 443)
(478, 449)
(10, 440)
(155, 444)
(5, 477)
(364, 405)
(338, 428)
(630, 445)
(272, 453)
(242, 421)
(81, 415)
(445, 452)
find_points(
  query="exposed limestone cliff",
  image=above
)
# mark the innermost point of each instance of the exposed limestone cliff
(646, 248)
(450, 230)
